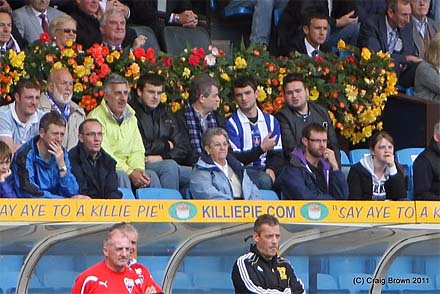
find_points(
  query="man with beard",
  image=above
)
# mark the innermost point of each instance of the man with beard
(58, 97)
(314, 172)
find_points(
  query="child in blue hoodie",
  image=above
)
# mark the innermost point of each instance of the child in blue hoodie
(6, 181)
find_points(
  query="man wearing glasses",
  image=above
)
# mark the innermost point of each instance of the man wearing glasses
(94, 169)
(313, 173)
(58, 97)
(298, 112)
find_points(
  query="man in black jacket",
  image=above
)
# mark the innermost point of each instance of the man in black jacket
(93, 168)
(166, 145)
(261, 270)
(300, 112)
(427, 170)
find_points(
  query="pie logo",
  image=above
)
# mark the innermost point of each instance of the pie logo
(129, 284)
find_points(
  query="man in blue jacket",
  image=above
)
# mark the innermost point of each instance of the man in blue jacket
(314, 172)
(41, 167)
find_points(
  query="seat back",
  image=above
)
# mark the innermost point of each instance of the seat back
(344, 159)
(158, 193)
(176, 39)
(406, 157)
(326, 282)
(268, 195)
(151, 37)
(356, 155)
(127, 193)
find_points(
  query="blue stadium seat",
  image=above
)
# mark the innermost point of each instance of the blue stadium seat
(327, 285)
(59, 278)
(268, 195)
(344, 159)
(401, 265)
(183, 281)
(8, 280)
(406, 157)
(127, 193)
(157, 264)
(346, 264)
(299, 263)
(158, 193)
(197, 264)
(222, 282)
(231, 11)
(356, 155)
(346, 282)
(10, 263)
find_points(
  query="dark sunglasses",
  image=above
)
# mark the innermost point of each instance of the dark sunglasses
(68, 31)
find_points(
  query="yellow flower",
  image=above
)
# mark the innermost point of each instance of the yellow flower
(134, 67)
(98, 84)
(351, 92)
(341, 44)
(88, 61)
(69, 43)
(57, 65)
(186, 73)
(78, 87)
(269, 91)
(384, 55)
(116, 54)
(163, 97)
(175, 106)
(240, 62)
(185, 95)
(17, 60)
(314, 94)
(281, 78)
(68, 52)
(225, 77)
(261, 94)
(80, 71)
(366, 53)
(109, 58)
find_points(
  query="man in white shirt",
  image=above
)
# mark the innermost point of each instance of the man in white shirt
(19, 121)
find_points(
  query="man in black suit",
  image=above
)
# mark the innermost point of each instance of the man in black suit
(157, 14)
(315, 31)
(345, 27)
(392, 33)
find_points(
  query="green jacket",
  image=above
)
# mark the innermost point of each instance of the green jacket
(122, 142)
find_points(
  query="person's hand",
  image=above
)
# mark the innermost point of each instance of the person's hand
(271, 174)
(57, 151)
(389, 159)
(139, 178)
(346, 20)
(115, 4)
(139, 41)
(329, 155)
(413, 58)
(4, 175)
(188, 18)
(4, 5)
(153, 158)
(268, 142)
(80, 196)
(150, 290)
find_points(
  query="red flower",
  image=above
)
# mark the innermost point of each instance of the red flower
(44, 38)
(151, 55)
(270, 67)
(351, 59)
(194, 60)
(275, 82)
(200, 52)
(319, 58)
(256, 52)
(332, 79)
(139, 52)
(167, 61)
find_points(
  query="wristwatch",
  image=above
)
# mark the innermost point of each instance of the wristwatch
(176, 19)
(62, 169)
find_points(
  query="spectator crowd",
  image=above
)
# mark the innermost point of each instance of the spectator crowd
(49, 148)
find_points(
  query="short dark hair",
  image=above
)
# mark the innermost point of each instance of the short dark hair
(201, 85)
(5, 151)
(8, 12)
(52, 117)
(244, 81)
(265, 219)
(26, 83)
(392, 4)
(293, 77)
(150, 78)
(313, 127)
(81, 126)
